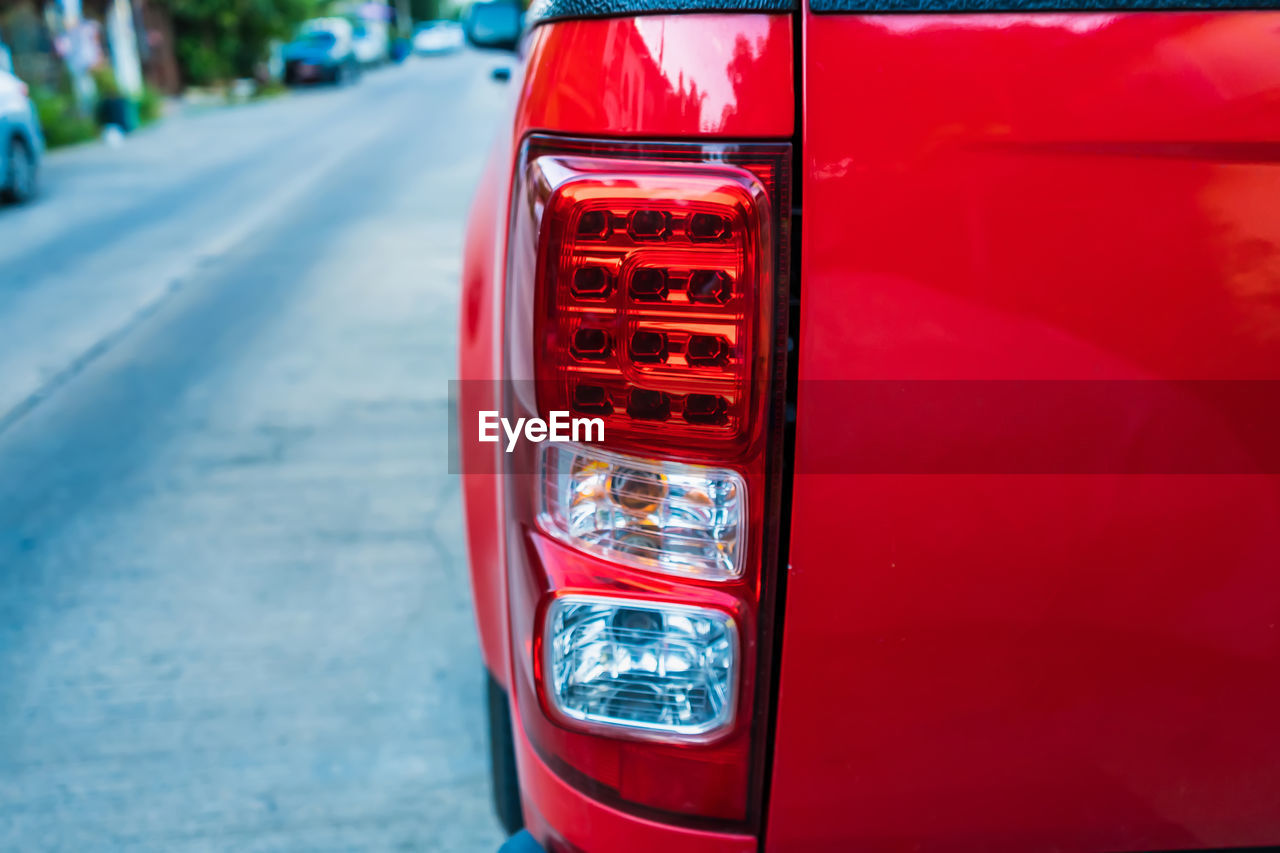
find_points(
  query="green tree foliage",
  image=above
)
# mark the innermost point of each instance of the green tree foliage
(62, 123)
(430, 10)
(219, 40)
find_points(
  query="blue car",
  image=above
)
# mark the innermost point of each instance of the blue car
(21, 143)
(323, 52)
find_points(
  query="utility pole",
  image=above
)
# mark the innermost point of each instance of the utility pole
(72, 38)
(123, 38)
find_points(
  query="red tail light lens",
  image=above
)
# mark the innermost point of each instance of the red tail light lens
(645, 289)
(650, 309)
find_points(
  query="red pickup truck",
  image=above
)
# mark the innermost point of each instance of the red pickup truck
(927, 491)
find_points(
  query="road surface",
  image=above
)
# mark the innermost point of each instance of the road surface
(234, 611)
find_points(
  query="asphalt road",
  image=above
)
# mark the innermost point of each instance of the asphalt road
(234, 612)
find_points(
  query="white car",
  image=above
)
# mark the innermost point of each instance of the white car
(21, 142)
(372, 41)
(438, 37)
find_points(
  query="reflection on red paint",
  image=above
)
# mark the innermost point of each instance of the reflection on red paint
(722, 75)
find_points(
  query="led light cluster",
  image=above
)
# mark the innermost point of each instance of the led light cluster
(664, 516)
(651, 294)
(642, 665)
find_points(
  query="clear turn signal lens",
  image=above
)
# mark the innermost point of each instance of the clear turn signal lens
(650, 666)
(663, 516)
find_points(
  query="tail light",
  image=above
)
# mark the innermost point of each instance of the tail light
(645, 288)
(681, 519)
(649, 312)
(636, 665)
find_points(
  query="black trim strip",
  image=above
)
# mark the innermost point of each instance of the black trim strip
(954, 6)
(791, 382)
(551, 10)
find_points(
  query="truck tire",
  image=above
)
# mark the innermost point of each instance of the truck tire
(502, 758)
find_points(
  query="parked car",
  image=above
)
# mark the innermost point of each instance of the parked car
(935, 501)
(21, 142)
(438, 37)
(323, 52)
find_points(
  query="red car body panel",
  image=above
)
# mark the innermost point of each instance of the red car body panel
(661, 77)
(479, 368)
(1028, 660)
(1057, 659)
(562, 817)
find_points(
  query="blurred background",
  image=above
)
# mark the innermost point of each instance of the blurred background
(234, 606)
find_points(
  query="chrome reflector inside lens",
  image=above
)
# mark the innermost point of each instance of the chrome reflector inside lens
(656, 667)
(682, 519)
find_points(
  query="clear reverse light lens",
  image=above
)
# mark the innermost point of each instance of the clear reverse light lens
(654, 667)
(682, 519)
